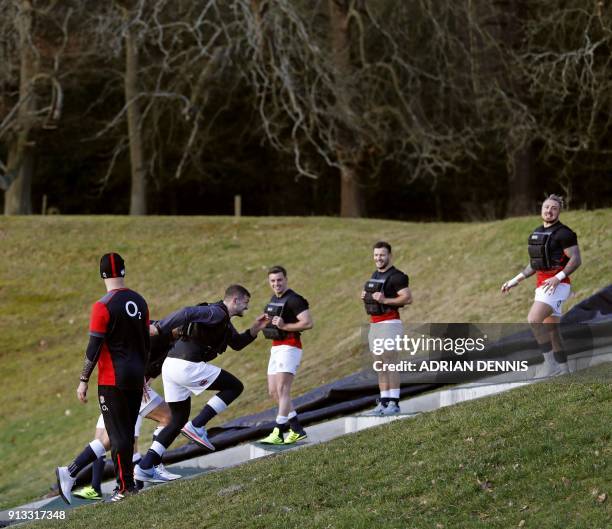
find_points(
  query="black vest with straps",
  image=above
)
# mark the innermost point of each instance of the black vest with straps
(202, 343)
(539, 247)
(272, 332)
(372, 307)
(377, 284)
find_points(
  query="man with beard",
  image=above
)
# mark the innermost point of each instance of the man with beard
(385, 293)
(554, 256)
(205, 332)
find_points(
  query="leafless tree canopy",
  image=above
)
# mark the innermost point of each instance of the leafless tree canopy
(369, 95)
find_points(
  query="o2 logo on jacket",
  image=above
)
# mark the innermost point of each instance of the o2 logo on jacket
(132, 310)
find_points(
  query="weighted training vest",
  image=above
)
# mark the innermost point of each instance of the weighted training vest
(540, 256)
(202, 343)
(272, 332)
(372, 307)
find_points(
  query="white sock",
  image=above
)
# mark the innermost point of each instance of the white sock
(98, 448)
(217, 404)
(281, 419)
(394, 393)
(136, 457)
(385, 394)
(158, 448)
(291, 415)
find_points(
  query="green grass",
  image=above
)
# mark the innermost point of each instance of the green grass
(536, 457)
(49, 279)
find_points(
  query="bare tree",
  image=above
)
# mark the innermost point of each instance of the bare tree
(138, 195)
(40, 50)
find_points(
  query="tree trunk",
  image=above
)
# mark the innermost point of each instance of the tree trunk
(350, 193)
(18, 196)
(138, 196)
(350, 189)
(504, 20)
(520, 183)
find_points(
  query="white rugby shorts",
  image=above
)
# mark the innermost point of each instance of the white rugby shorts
(556, 299)
(384, 330)
(284, 359)
(182, 378)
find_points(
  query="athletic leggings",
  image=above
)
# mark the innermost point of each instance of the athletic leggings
(229, 388)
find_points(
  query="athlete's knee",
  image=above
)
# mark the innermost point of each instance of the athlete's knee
(534, 319)
(163, 415)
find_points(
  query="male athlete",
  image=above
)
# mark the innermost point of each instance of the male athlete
(385, 293)
(289, 317)
(554, 256)
(152, 407)
(119, 344)
(205, 332)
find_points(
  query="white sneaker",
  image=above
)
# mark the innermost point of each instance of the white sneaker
(197, 435)
(549, 370)
(391, 409)
(380, 407)
(65, 482)
(151, 475)
(164, 472)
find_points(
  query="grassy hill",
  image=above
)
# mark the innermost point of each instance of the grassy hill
(49, 279)
(537, 457)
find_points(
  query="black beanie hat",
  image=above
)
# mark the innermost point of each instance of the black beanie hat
(112, 265)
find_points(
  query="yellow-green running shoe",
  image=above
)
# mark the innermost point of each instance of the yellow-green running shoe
(275, 438)
(294, 437)
(88, 493)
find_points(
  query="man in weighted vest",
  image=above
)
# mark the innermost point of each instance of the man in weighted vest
(289, 316)
(205, 332)
(554, 255)
(384, 294)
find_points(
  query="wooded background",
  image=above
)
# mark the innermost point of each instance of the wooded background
(408, 109)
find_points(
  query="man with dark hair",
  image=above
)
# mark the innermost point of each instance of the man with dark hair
(384, 294)
(119, 344)
(290, 316)
(553, 256)
(205, 331)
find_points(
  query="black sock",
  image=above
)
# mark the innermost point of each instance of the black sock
(395, 401)
(204, 416)
(151, 459)
(283, 427)
(560, 356)
(294, 422)
(384, 400)
(97, 471)
(545, 347)
(82, 460)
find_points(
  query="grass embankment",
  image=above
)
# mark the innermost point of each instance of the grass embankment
(538, 457)
(49, 279)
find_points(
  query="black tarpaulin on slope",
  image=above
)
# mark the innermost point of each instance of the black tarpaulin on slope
(360, 390)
